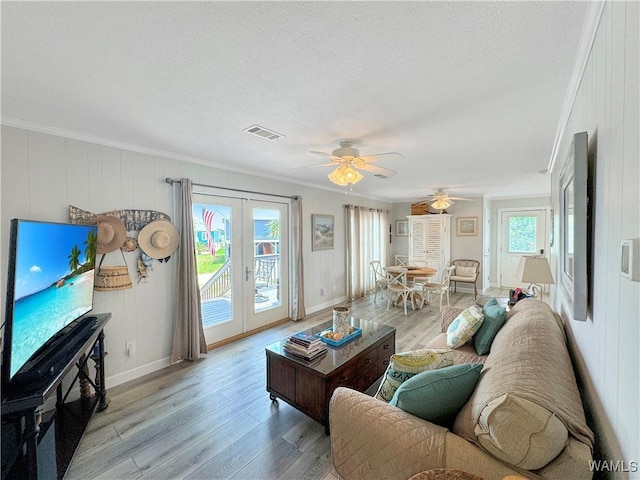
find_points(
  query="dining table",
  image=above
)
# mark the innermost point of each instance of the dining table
(412, 272)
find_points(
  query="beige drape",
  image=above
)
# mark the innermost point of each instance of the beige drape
(367, 239)
(188, 334)
(298, 311)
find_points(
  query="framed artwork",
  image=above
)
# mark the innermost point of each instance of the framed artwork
(402, 228)
(467, 226)
(573, 229)
(322, 232)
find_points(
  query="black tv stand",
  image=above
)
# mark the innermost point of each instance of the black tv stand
(40, 445)
(56, 351)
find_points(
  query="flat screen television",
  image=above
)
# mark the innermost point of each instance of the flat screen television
(50, 285)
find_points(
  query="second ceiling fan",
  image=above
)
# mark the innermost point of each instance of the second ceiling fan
(441, 200)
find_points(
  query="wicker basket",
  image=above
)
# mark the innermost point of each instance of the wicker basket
(112, 277)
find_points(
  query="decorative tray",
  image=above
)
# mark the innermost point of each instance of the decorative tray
(343, 340)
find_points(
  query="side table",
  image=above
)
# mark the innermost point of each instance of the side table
(502, 301)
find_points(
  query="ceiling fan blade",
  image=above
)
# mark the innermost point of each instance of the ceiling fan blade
(376, 170)
(380, 155)
(460, 198)
(324, 154)
(332, 164)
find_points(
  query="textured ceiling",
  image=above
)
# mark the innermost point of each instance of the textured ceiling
(470, 93)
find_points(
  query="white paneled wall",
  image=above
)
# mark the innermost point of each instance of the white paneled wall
(42, 174)
(607, 107)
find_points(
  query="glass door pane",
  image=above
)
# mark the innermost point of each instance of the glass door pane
(523, 233)
(216, 259)
(266, 272)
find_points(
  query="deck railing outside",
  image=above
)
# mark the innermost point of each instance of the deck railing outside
(217, 285)
(220, 282)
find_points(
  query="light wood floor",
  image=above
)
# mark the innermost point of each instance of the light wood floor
(213, 418)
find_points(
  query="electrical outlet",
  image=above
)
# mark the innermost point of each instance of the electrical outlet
(131, 348)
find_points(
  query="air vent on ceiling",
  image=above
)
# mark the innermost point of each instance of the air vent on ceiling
(263, 133)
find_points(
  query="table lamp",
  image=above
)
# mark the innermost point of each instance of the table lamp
(534, 270)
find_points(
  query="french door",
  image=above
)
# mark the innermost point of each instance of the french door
(242, 253)
(522, 232)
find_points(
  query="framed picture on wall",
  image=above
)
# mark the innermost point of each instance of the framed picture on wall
(467, 226)
(574, 276)
(402, 228)
(322, 234)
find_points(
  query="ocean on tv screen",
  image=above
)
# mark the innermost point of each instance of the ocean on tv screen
(53, 283)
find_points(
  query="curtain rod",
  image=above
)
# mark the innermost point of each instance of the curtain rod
(171, 181)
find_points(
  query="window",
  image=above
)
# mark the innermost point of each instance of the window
(522, 234)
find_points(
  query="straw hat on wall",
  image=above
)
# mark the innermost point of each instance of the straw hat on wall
(158, 239)
(111, 233)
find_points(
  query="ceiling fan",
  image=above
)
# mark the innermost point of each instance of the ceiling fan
(441, 200)
(348, 161)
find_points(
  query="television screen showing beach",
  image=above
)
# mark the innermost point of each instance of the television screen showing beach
(54, 276)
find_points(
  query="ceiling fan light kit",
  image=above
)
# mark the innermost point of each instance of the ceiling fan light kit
(344, 175)
(441, 204)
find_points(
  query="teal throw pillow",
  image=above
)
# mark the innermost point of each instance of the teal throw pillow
(438, 395)
(495, 317)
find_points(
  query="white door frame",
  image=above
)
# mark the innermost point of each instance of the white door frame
(500, 235)
(242, 302)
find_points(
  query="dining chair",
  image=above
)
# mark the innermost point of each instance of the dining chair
(440, 289)
(397, 285)
(379, 277)
(402, 260)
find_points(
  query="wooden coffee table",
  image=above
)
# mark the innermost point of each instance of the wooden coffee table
(308, 386)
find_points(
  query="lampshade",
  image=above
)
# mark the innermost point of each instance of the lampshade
(534, 270)
(344, 175)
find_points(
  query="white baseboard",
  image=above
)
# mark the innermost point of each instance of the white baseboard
(322, 306)
(134, 373)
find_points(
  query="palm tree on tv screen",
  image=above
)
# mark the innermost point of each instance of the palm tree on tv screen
(90, 247)
(74, 258)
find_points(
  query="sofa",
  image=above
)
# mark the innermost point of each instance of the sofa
(524, 416)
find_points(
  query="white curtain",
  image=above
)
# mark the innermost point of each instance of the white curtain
(367, 236)
(188, 334)
(298, 311)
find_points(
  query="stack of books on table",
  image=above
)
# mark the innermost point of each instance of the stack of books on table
(307, 347)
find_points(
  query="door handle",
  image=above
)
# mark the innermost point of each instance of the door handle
(247, 272)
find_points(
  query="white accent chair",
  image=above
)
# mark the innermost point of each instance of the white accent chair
(440, 289)
(397, 286)
(402, 260)
(466, 271)
(379, 277)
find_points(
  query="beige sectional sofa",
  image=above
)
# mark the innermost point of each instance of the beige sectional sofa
(525, 416)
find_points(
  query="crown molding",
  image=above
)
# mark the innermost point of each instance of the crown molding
(587, 38)
(107, 142)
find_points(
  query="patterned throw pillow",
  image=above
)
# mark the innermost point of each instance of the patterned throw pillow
(403, 366)
(464, 326)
